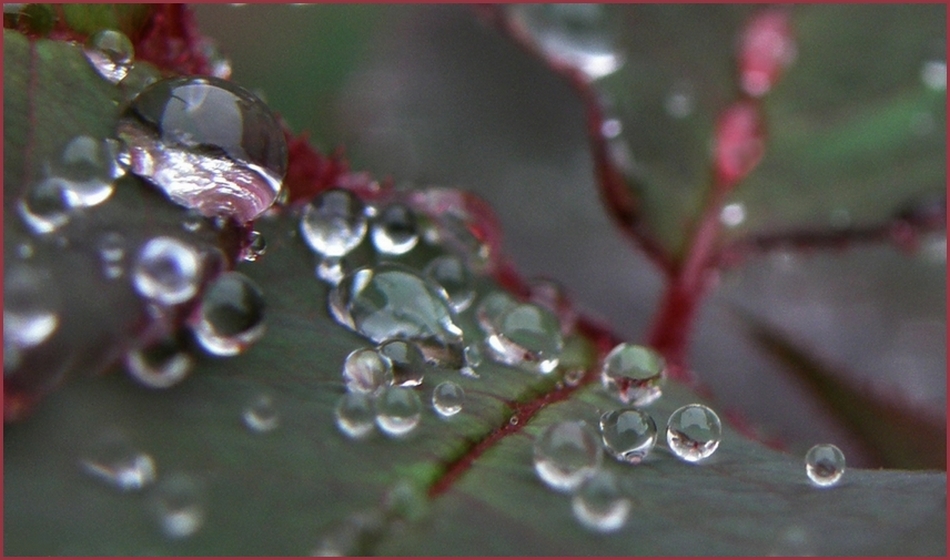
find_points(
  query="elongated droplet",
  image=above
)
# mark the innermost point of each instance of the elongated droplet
(565, 454)
(398, 411)
(355, 416)
(408, 362)
(367, 371)
(394, 230)
(449, 274)
(231, 315)
(208, 144)
(334, 223)
(29, 306)
(179, 505)
(472, 355)
(448, 398)
(159, 364)
(598, 503)
(260, 415)
(824, 464)
(528, 336)
(634, 374)
(629, 434)
(110, 53)
(167, 271)
(113, 459)
(693, 432)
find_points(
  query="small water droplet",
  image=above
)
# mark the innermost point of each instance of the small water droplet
(110, 53)
(44, 207)
(29, 307)
(448, 398)
(732, 215)
(330, 270)
(824, 464)
(334, 223)
(355, 416)
(398, 411)
(160, 363)
(633, 374)
(629, 434)
(208, 144)
(566, 453)
(598, 503)
(472, 354)
(113, 459)
(933, 74)
(260, 415)
(256, 247)
(527, 336)
(179, 505)
(231, 315)
(490, 309)
(394, 230)
(408, 363)
(693, 432)
(449, 274)
(166, 271)
(513, 421)
(367, 371)
(89, 169)
(111, 248)
(573, 377)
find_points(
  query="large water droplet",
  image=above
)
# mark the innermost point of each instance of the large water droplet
(355, 416)
(334, 223)
(598, 503)
(528, 336)
(629, 434)
(44, 207)
(633, 374)
(231, 315)
(408, 363)
(448, 398)
(113, 459)
(394, 230)
(167, 270)
(110, 53)
(824, 464)
(565, 454)
(159, 364)
(450, 275)
(260, 415)
(693, 432)
(29, 307)
(208, 144)
(179, 505)
(398, 411)
(367, 371)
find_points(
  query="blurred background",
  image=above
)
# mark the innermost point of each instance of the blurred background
(431, 95)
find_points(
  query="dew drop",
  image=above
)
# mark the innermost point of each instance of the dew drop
(527, 336)
(449, 274)
(633, 374)
(139, 77)
(398, 411)
(208, 144)
(355, 415)
(408, 363)
(472, 356)
(824, 464)
(490, 309)
(334, 223)
(256, 247)
(110, 53)
(394, 230)
(598, 503)
(566, 453)
(732, 215)
(693, 432)
(111, 248)
(159, 364)
(448, 398)
(179, 505)
(44, 207)
(166, 271)
(628, 434)
(260, 415)
(89, 169)
(367, 371)
(113, 459)
(231, 315)
(29, 307)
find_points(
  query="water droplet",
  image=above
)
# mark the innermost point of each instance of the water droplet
(408, 363)
(394, 230)
(450, 276)
(208, 144)
(231, 316)
(89, 169)
(553, 297)
(260, 415)
(472, 355)
(566, 453)
(933, 74)
(111, 248)
(573, 377)
(693, 432)
(110, 53)
(629, 434)
(29, 306)
(578, 35)
(398, 411)
(448, 398)
(167, 271)
(528, 336)
(367, 371)
(44, 207)
(179, 505)
(139, 77)
(113, 459)
(490, 309)
(389, 301)
(598, 503)
(732, 215)
(355, 415)
(824, 464)
(256, 247)
(159, 364)
(633, 374)
(334, 223)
